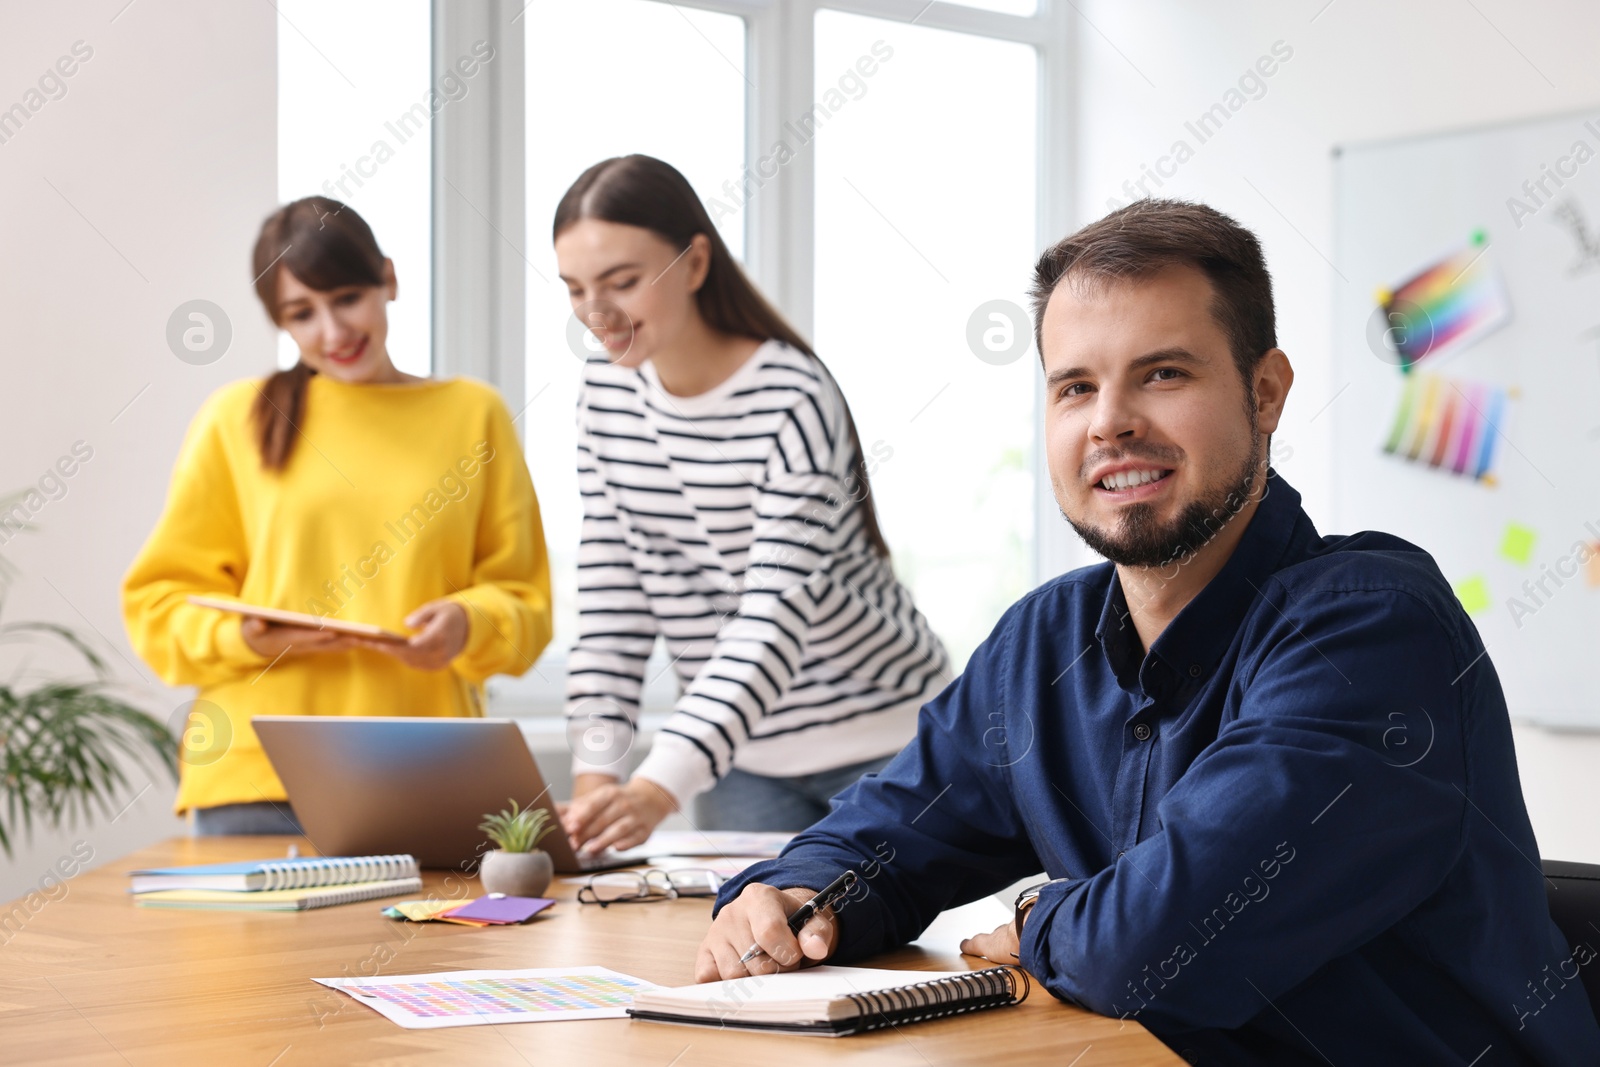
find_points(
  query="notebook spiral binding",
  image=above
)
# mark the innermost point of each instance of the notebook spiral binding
(335, 870)
(992, 987)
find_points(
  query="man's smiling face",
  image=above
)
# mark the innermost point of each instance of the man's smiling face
(1149, 427)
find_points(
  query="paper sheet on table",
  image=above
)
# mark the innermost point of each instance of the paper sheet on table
(714, 843)
(950, 928)
(488, 998)
(723, 867)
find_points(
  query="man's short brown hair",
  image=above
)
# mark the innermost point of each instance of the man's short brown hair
(1151, 234)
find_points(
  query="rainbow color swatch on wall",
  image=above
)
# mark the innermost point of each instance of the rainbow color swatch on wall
(1446, 306)
(1449, 425)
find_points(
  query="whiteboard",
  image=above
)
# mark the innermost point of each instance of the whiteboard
(1399, 205)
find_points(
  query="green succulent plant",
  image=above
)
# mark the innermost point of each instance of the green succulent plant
(517, 829)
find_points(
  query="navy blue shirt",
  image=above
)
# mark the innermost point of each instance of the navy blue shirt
(1291, 833)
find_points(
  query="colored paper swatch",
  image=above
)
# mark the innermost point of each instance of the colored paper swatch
(1449, 305)
(1517, 544)
(1448, 424)
(501, 910)
(1591, 569)
(476, 998)
(421, 911)
(1473, 593)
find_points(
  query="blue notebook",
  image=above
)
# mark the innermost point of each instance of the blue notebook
(256, 875)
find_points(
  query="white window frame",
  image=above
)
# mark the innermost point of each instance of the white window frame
(479, 206)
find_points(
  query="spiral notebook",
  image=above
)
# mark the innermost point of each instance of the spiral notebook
(833, 1001)
(278, 899)
(255, 875)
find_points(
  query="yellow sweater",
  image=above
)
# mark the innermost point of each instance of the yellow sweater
(394, 495)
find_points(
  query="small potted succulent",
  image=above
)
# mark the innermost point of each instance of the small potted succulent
(518, 867)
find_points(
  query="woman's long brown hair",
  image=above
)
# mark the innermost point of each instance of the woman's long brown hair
(643, 191)
(327, 246)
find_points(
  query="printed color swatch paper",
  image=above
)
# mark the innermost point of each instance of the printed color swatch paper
(478, 998)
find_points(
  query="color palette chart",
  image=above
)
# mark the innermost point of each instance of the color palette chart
(1449, 425)
(1448, 305)
(478, 998)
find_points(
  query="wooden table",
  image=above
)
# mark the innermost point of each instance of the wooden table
(92, 979)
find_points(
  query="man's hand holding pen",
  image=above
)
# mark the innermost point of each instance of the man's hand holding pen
(759, 916)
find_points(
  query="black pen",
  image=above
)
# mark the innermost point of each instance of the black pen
(825, 899)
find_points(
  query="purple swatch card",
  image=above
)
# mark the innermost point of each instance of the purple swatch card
(501, 909)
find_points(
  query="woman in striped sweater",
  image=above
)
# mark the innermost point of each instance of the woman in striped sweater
(727, 510)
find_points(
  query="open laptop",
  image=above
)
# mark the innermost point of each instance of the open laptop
(368, 786)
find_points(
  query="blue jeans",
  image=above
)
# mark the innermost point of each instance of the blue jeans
(259, 817)
(745, 801)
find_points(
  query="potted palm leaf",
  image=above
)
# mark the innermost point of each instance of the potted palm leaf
(517, 867)
(63, 742)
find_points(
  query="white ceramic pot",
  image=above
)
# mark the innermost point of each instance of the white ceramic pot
(516, 874)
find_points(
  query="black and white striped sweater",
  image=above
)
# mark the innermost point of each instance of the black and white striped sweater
(730, 524)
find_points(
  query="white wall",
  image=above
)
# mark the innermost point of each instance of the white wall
(137, 190)
(1360, 69)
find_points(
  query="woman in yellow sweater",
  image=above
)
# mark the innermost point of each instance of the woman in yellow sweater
(344, 488)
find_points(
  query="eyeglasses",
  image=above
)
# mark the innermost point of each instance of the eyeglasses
(649, 886)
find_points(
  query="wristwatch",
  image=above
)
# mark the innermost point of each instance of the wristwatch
(1025, 902)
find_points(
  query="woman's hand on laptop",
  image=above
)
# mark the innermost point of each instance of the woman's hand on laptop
(441, 627)
(608, 815)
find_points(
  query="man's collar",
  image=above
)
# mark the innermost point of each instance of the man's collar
(1189, 649)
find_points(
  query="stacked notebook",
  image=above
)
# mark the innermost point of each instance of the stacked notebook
(832, 1001)
(277, 885)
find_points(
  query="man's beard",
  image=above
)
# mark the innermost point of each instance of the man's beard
(1139, 541)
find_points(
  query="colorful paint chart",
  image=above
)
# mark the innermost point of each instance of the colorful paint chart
(1449, 425)
(1448, 305)
(474, 998)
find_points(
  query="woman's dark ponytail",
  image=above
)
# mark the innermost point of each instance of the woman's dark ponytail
(327, 246)
(279, 408)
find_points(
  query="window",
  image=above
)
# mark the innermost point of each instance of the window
(351, 74)
(671, 84)
(913, 200)
(925, 214)
(1008, 7)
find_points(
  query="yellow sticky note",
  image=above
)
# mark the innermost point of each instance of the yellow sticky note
(1474, 594)
(421, 911)
(1517, 544)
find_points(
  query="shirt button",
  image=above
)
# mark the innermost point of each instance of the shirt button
(1194, 670)
(1141, 732)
